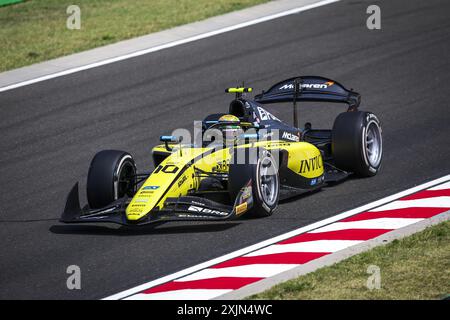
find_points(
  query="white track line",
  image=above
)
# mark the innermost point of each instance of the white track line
(442, 186)
(436, 202)
(168, 45)
(186, 294)
(256, 271)
(276, 239)
(380, 223)
(308, 246)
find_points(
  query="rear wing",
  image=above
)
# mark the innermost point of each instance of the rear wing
(309, 88)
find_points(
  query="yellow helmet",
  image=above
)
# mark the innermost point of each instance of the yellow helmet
(229, 118)
(231, 128)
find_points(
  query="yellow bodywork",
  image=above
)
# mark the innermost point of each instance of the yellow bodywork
(175, 176)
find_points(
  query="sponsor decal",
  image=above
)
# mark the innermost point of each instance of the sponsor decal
(146, 193)
(246, 193)
(308, 85)
(221, 166)
(241, 208)
(182, 215)
(197, 203)
(278, 144)
(150, 188)
(181, 181)
(206, 210)
(134, 212)
(290, 136)
(310, 164)
(266, 115)
(141, 200)
(287, 86)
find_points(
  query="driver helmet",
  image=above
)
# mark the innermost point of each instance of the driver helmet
(231, 128)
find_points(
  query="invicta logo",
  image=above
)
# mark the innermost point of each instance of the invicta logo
(310, 164)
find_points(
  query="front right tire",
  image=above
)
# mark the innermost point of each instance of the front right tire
(111, 176)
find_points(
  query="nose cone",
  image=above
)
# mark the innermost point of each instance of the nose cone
(172, 178)
(144, 201)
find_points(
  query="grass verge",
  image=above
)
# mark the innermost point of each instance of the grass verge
(415, 267)
(35, 31)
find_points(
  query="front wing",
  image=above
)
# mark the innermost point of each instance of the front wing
(185, 208)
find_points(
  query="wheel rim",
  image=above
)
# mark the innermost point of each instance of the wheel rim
(268, 181)
(125, 184)
(373, 144)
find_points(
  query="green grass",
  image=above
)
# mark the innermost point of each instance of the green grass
(416, 267)
(34, 31)
(8, 2)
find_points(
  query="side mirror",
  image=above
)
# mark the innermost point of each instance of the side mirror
(172, 139)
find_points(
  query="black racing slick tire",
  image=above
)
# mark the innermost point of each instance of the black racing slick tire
(261, 169)
(357, 143)
(111, 176)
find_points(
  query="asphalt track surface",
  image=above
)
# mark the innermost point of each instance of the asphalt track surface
(51, 130)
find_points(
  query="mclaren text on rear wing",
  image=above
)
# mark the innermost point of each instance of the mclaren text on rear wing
(309, 88)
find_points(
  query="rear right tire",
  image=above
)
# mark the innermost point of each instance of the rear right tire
(357, 143)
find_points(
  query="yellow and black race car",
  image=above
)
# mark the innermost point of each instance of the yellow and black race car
(240, 163)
